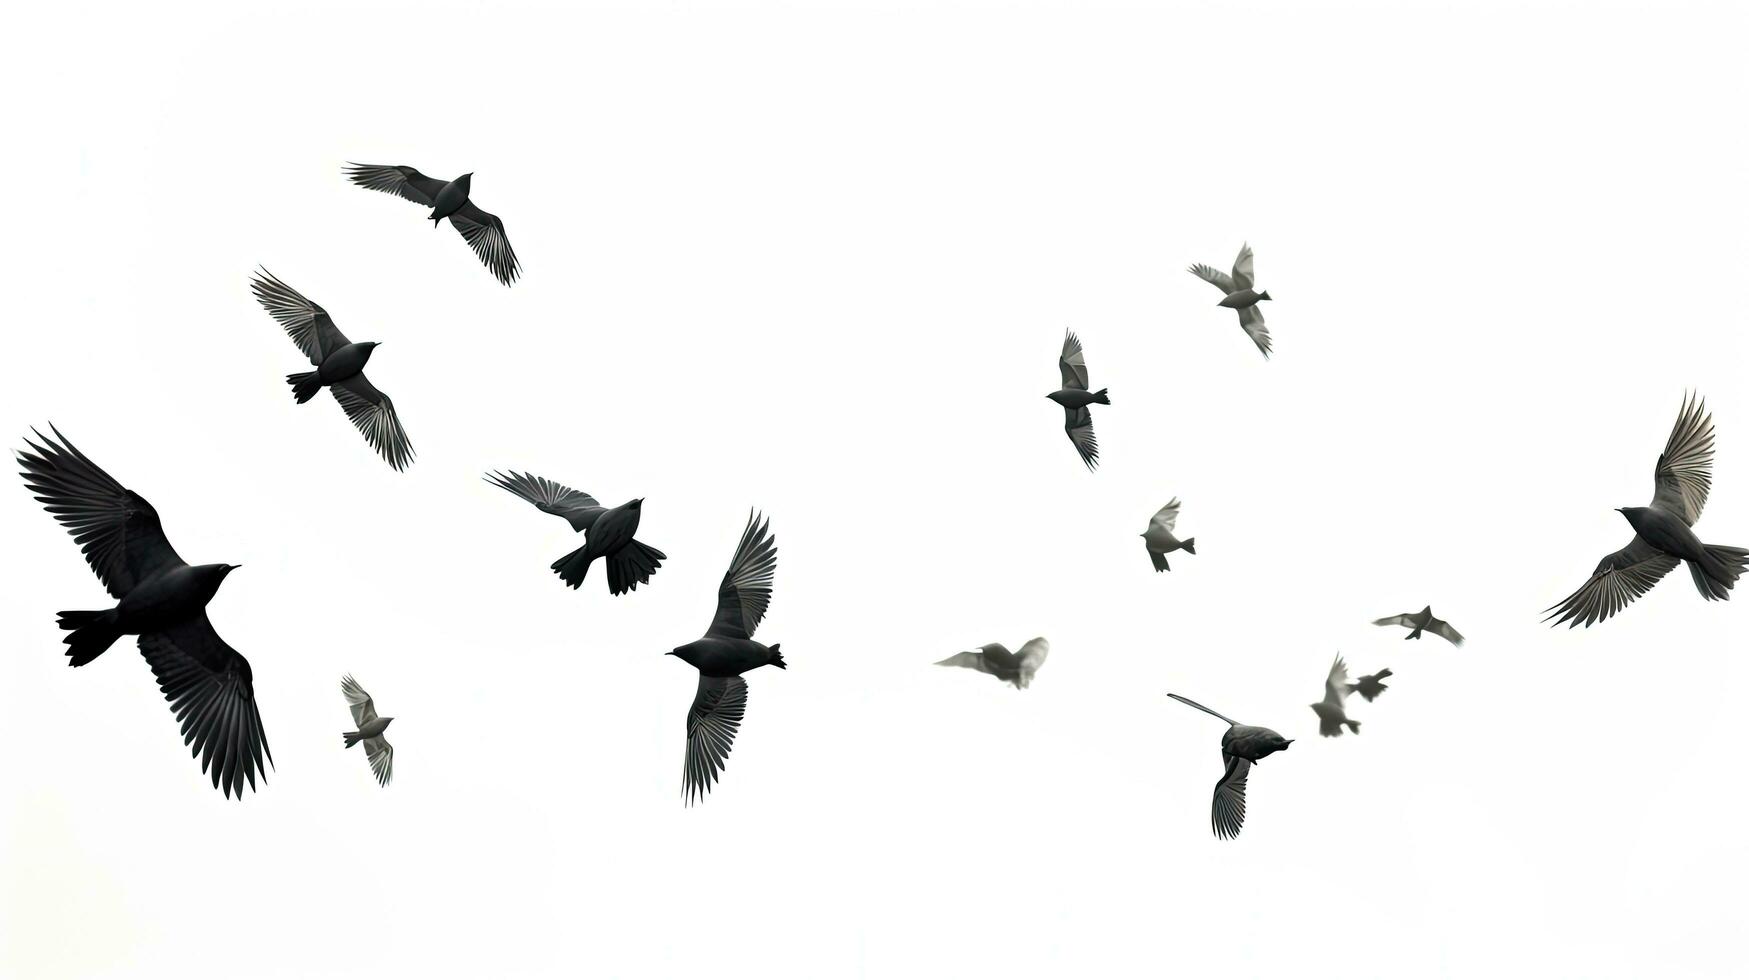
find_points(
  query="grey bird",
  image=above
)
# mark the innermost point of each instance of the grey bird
(339, 368)
(446, 199)
(1331, 715)
(607, 531)
(1074, 397)
(993, 658)
(1241, 746)
(1423, 620)
(377, 749)
(727, 651)
(1159, 539)
(1239, 294)
(1662, 532)
(1371, 685)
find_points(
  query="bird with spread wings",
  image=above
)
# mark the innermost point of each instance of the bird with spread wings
(377, 750)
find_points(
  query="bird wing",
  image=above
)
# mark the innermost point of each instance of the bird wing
(485, 235)
(400, 181)
(746, 588)
(1251, 321)
(115, 527)
(306, 323)
(987, 658)
(551, 497)
(1334, 691)
(1440, 627)
(1619, 579)
(364, 711)
(1404, 619)
(1228, 813)
(711, 724)
(381, 756)
(374, 415)
(1033, 653)
(1073, 363)
(1078, 422)
(211, 689)
(1166, 518)
(1244, 275)
(1210, 274)
(1685, 467)
(1184, 700)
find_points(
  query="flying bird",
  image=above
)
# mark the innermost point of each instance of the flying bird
(1662, 532)
(1239, 295)
(1371, 685)
(1241, 746)
(607, 531)
(162, 600)
(339, 368)
(377, 749)
(1159, 539)
(446, 199)
(994, 658)
(727, 651)
(1074, 397)
(1423, 620)
(1331, 716)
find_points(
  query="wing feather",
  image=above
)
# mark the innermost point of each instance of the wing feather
(1684, 476)
(711, 724)
(1619, 579)
(400, 181)
(306, 323)
(485, 235)
(551, 497)
(373, 414)
(211, 690)
(746, 589)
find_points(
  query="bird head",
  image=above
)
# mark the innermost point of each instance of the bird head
(387, 720)
(227, 569)
(636, 503)
(1055, 396)
(1632, 514)
(373, 344)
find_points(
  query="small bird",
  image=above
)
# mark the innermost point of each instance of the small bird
(377, 749)
(1331, 716)
(1159, 539)
(163, 601)
(339, 368)
(727, 651)
(1240, 295)
(1241, 746)
(994, 658)
(1423, 620)
(1662, 532)
(1074, 397)
(608, 531)
(446, 199)
(1371, 685)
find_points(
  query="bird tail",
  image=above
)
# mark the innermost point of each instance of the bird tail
(1414, 634)
(1715, 576)
(573, 566)
(777, 658)
(1101, 398)
(1159, 562)
(1263, 296)
(632, 566)
(92, 633)
(1189, 544)
(352, 738)
(1353, 726)
(304, 386)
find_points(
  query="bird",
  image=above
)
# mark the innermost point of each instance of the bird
(162, 600)
(608, 531)
(994, 658)
(727, 651)
(1423, 620)
(1159, 539)
(1241, 746)
(1371, 685)
(446, 199)
(377, 749)
(1074, 397)
(339, 368)
(1240, 296)
(1662, 532)
(1331, 716)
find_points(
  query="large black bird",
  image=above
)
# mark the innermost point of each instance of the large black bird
(608, 531)
(446, 199)
(727, 651)
(1074, 397)
(339, 368)
(1241, 746)
(162, 600)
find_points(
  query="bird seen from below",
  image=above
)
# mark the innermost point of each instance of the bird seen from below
(1423, 620)
(607, 531)
(1159, 540)
(1371, 685)
(377, 749)
(1331, 715)
(1074, 397)
(1240, 295)
(1241, 746)
(446, 199)
(994, 658)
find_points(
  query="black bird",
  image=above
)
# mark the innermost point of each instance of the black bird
(727, 651)
(1074, 397)
(377, 749)
(1239, 295)
(608, 531)
(339, 368)
(446, 199)
(162, 600)
(1423, 620)
(1332, 715)
(1241, 746)
(1371, 685)
(1662, 535)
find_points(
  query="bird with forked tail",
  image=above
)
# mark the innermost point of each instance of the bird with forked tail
(608, 531)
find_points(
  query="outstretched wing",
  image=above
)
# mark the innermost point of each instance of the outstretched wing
(746, 588)
(1440, 627)
(1073, 363)
(211, 689)
(374, 415)
(306, 323)
(1251, 321)
(399, 181)
(551, 497)
(381, 756)
(990, 658)
(1404, 619)
(364, 711)
(1685, 467)
(1078, 423)
(1032, 654)
(1336, 684)
(1244, 275)
(1619, 579)
(485, 235)
(1228, 814)
(1210, 274)
(711, 724)
(1166, 517)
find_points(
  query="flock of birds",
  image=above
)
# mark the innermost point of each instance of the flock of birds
(162, 600)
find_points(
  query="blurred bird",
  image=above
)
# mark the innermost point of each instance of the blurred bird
(1371, 685)
(163, 601)
(1423, 620)
(1331, 716)
(1159, 539)
(1241, 746)
(1662, 535)
(377, 749)
(994, 658)
(607, 531)
(1074, 397)
(339, 368)
(1240, 296)
(446, 199)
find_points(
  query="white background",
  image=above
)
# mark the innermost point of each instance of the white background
(819, 259)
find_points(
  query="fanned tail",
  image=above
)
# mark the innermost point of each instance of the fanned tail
(304, 386)
(92, 633)
(631, 567)
(573, 566)
(1719, 573)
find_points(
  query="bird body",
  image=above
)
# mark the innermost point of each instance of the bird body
(1242, 746)
(1079, 398)
(370, 729)
(345, 362)
(168, 597)
(1238, 293)
(1075, 399)
(1423, 620)
(1160, 540)
(720, 656)
(1240, 299)
(1252, 742)
(608, 531)
(995, 659)
(450, 198)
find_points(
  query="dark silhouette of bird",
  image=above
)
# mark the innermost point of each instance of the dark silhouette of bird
(377, 749)
(1423, 620)
(607, 531)
(1241, 746)
(1331, 715)
(1662, 532)
(1074, 397)
(162, 600)
(339, 368)
(446, 199)
(1159, 539)
(727, 651)
(1371, 685)
(1239, 295)
(994, 658)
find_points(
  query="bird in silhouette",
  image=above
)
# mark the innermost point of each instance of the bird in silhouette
(377, 749)
(1239, 295)
(1423, 620)
(1074, 397)
(727, 651)
(1662, 532)
(446, 199)
(607, 531)
(1241, 746)
(1371, 685)
(339, 368)
(1159, 539)
(994, 658)
(1331, 716)
(162, 600)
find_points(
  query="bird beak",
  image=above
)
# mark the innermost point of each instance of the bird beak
(669, 654)
(234, 567)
